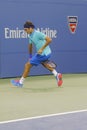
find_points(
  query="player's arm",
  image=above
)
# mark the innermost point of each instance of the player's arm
(48, 41)
(30, 51)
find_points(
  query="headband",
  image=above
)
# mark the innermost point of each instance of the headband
(28, 26)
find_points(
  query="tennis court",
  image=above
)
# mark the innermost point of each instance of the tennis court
(39, 104)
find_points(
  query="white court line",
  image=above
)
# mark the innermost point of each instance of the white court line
(43, 116)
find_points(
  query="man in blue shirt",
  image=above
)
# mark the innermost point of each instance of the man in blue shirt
(42, 55)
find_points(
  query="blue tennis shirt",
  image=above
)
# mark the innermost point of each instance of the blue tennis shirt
(38, 39)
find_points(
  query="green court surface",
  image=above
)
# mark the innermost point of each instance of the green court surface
(41, 96)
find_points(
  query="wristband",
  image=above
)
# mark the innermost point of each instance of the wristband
(30, 55)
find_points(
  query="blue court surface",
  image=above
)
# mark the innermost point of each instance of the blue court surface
(75, 120)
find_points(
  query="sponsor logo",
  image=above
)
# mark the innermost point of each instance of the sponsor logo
(72, 23)
(18, 33)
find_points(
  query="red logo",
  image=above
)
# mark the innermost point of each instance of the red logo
(72, 23)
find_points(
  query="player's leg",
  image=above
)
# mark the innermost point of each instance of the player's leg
(51, 67)
(35, 60)
(19, 83)
(26, 72)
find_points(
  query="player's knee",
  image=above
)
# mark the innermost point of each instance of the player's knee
(28, 65)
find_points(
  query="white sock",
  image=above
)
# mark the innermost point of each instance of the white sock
(21, 80)
(54, 72)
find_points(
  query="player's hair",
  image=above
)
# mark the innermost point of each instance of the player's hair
(29, 24)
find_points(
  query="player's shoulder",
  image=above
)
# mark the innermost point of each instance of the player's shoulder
(40, 33)
(36, 31)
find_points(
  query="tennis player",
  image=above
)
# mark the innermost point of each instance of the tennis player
(41, 42)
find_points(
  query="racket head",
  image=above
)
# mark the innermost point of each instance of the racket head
(50, 63)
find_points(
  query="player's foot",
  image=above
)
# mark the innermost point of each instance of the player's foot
(59, 79)
(16, 83)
